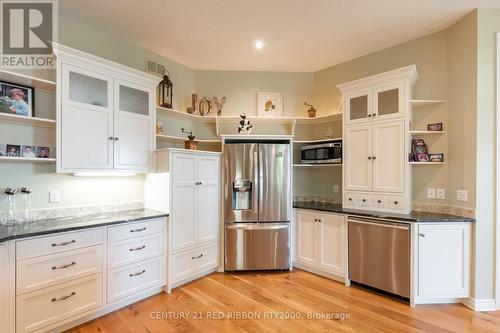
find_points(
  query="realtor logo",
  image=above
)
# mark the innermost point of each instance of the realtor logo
(28, 30)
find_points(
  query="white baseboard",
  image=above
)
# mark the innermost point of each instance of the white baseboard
(316, 271)
(193, 277)
(487, 304)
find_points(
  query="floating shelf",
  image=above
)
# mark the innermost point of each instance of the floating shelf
(163, 137)
(30, 121)
(426, 132)
(423, 102)
(299, 165)
(316, 141)
(186, 116)
(427, 163)
(27, 159)
(27, 80)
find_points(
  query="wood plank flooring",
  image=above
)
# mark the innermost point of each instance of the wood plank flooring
(281, 302)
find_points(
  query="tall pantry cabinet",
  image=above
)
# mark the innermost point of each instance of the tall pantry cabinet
(194, 228)
(376, 124)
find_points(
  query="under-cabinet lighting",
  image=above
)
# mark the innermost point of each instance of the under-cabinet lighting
(104, 174)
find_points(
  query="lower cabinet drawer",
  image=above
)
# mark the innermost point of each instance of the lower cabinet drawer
(130, 279)
(133, 250)
(136, 229)
(57, 243)
(49, 270)
(44, 307)
(190, 262)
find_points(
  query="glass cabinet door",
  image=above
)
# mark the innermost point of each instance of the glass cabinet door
(133, 100)
(359, 106)
(388, 101)
(88, 88)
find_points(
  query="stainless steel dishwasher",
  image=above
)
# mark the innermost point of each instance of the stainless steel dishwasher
(379, 254)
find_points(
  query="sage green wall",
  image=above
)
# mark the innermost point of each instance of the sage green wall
(241, 89)
(429, 54)
(488, 25)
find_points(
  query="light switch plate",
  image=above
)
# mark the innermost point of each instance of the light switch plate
(462, 195)
(431, 193)
(54, 196)
(441, 193)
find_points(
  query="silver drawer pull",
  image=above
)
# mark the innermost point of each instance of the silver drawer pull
(138, 230)
(197, 257)
(421, 235)
(63, 243)
(54, 299)
(138, 248)
(137, 273)
(64, 266)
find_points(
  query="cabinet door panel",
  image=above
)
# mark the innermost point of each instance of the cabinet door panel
(390, 160)
(208, 198)
(184, 201)
(388, 101)
(358, 106)
(307, 240)
(444, 261)
(357, 165)
(132, 126)
(86, 120)
(332, 235)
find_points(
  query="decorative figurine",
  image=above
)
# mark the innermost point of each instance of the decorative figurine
(312, 111)
(219, 104)
(159, 127)
(245, 127)
(191, 143)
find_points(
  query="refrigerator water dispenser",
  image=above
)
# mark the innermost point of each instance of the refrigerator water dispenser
(242, 194)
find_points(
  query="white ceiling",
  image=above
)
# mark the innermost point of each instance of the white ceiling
(298, 35)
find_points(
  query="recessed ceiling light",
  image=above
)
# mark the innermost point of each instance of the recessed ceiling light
(259, 45)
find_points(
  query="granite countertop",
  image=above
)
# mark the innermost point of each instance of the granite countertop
(62, 224)
(413, 217)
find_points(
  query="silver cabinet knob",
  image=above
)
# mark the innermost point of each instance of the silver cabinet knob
(116, 138)
(421, 235)
(110, 138)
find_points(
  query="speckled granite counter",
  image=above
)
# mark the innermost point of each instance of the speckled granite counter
(415, 217)
(55, 225)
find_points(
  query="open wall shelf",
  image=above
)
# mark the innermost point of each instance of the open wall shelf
(424, 102)
(426, 132)
(27, 159)
(29, 121)
(27, 80)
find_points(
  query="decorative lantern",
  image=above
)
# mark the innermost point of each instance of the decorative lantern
(165, 92)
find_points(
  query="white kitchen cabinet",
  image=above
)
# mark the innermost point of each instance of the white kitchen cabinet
(388, 158)
(357, 158)
(7, 288)
(376, 128)
(320, 242)
(195, 212)
(443, 262)
(105, 115)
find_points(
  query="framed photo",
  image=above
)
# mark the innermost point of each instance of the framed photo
(2, 150)
(42, 152)
(436, 157)
(16, 99)
(269, 104)
(437, 127)
(28, 151)
(419, 150)
(13, 151)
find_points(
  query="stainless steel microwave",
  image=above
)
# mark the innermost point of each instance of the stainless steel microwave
(328, 152)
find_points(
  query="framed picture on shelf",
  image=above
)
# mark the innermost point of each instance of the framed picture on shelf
(419, 150)
(16, 99)
(42, 152)
(269, 104)
(13, 150)
(436, 157)
(437, 127)
(28, 151)
(2, 150)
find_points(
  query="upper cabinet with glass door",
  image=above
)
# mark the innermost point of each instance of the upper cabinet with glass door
(358, 106)
(105, 114)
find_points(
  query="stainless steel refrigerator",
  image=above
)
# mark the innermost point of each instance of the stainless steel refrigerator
(257, 205)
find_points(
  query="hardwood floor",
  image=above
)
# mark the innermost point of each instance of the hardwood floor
(218, 303)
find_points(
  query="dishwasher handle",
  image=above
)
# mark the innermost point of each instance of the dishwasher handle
(380, 223)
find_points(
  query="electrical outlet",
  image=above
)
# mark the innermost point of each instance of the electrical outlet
(441, 194)
(431, 193)
(335, 189)
(54, 196)
(462, 195)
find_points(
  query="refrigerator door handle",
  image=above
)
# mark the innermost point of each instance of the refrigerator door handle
(257, 226)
